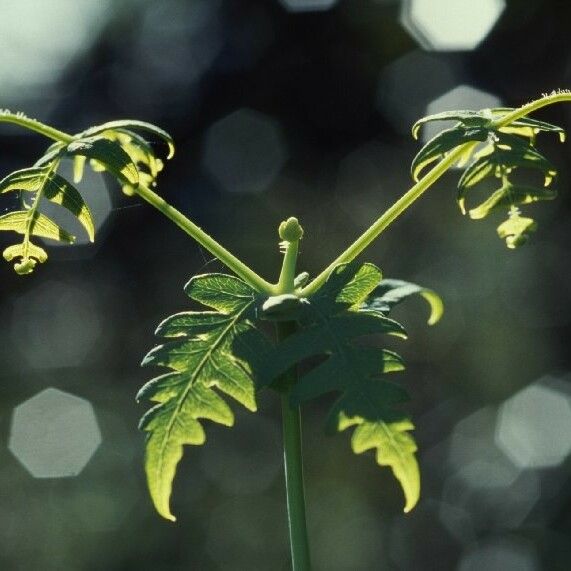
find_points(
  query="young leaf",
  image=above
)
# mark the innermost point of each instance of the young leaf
(53, 187)
(36, 224)
(211, 352)
(516, 229)
(332, 321)
(107, 154)
(30, 255)
(465, 117)
(509, 147)
(443, 143)
(392, 292)
(133, 125)
(511, 195)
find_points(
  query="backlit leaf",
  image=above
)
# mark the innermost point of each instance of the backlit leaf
(333, 320)
(392, 292)
(108, 154)
(443, 143)
(210, 353)
(133, 125)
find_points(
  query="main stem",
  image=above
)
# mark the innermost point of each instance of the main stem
(291, 233)
(390, 215)
(293, 468)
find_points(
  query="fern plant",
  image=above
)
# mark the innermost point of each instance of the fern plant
(223, 351)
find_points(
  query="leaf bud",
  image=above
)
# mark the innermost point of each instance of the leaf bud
(290, 230)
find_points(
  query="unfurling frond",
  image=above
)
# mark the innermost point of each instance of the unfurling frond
(115, 147)
(494, 152)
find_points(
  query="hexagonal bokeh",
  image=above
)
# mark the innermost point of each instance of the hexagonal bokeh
(244, 151)
(461, 97)
(308, 5)
(450, 25)
(533, 424)
(399, 98)
(54, 434)
(56, 324)
(501, 555)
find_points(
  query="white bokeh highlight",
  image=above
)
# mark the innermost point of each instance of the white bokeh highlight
(54, 434)
(37, 39)
(244, 151)
(450, 25)
(399, 97)
(534, 425)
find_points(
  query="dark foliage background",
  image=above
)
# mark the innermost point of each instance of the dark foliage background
(275, 114)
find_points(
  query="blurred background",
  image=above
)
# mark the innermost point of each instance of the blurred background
(280, 108)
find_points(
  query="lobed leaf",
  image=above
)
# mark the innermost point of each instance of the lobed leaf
(466, 117)
(394, 447)
(508, 148)
(333, 320)
(53, 187)
(212, 353)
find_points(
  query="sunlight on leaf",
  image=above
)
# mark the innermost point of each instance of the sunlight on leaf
(204, 363)
(508, 150)
(332, 320)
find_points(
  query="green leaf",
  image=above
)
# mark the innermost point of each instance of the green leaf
(508, 148)
(108, 154)
(55, 188)
(516, 229)
(133, 125)
(394, 446)
(30, 179)
(60, 191)
(210, 353)
(510, 195)
(443, 143)
(348, 285)
(78, 168)
(333, 321)
(517, 155)
(30, 255)
(465, 117)
(392, 292)
(528, 123)
(40, 225)
(30, 223)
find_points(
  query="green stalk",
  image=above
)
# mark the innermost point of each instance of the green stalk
(293, 467)
(214, 247)
(403, 203)
(291, 232)
(33, 125)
